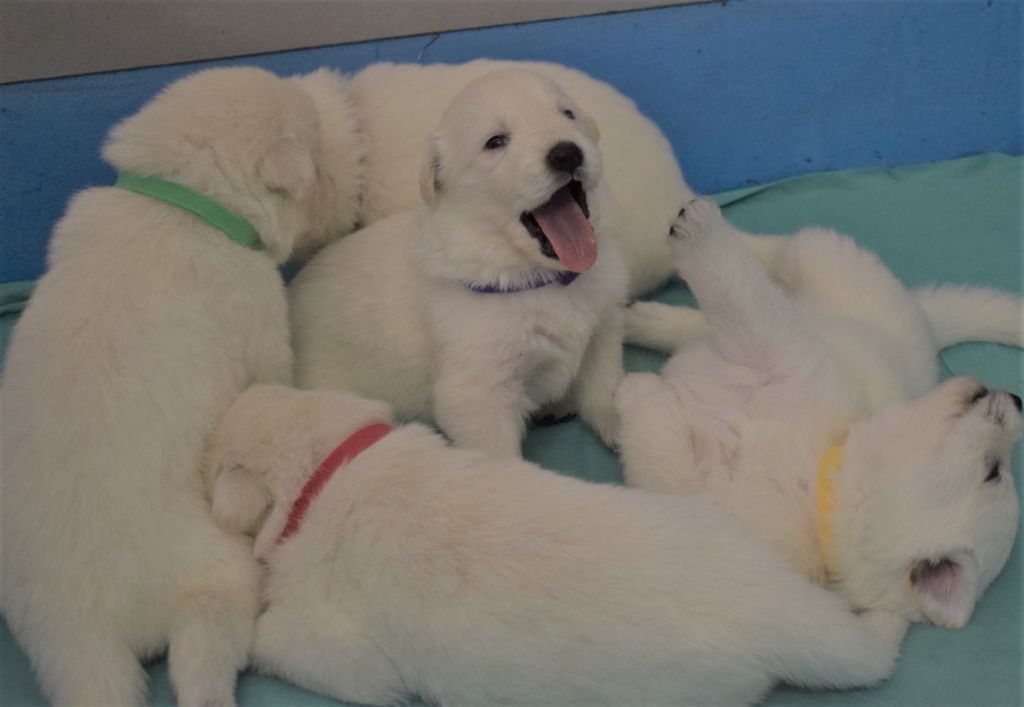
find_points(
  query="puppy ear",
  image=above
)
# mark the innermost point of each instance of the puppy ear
(946, 588)
(430, 174)
(288, 166)
(238, 500)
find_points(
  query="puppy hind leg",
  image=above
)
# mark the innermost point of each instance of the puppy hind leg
(209, 643)
(89, 667)
(323, 650)
(655, 438)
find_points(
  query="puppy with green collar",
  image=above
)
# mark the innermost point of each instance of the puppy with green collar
(804, 401)
(161, 303)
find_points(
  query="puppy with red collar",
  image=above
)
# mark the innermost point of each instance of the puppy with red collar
(398, 565)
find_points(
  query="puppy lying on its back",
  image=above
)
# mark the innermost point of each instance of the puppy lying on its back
(501, 295)
(803, 402)
(398, 565)
(148, 324)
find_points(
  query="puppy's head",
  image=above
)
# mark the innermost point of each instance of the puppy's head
(246, 138)
(343, 146)
(931, 507)
(268, 444)
(517, 159)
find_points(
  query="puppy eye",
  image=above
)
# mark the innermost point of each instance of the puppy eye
(496, 142)
(569, 114)
(977, 395)
(993, 473)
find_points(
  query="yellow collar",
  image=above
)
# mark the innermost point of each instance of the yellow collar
(830, 463)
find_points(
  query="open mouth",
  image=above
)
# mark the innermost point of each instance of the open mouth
(561, 227)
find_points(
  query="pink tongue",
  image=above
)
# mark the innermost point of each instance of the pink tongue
(571, 236)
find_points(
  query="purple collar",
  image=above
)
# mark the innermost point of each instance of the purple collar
(562, 277)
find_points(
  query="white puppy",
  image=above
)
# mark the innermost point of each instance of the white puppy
(394, 107)
(148, 324)
(499, 296)
(802, 343)
(402, 566)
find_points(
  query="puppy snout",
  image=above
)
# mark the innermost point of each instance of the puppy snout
(1017, 403)
(565, 157)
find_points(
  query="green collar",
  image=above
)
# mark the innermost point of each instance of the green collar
(231, 224)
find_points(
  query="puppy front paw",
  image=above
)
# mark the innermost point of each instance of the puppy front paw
(695, 220)
(238, 500)
(605, 421)
(887, 624)
(197, 697)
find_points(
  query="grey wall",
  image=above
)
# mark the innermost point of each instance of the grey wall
(47, 38)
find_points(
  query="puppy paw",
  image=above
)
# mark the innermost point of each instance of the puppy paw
(661, 327)
(695, 220)
(605, 421)
(636, 391)
(196, 698)
(887, 624)
(238, 500)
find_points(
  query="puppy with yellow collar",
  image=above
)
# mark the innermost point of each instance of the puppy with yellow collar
(804, 401)
(398, 565)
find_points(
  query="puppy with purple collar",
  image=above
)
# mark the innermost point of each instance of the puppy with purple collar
(398, 566)
(499, 297)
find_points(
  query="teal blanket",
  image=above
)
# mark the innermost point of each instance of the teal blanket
(957, 221)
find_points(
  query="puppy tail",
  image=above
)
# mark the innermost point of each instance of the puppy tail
(959, 313)
(662, 327)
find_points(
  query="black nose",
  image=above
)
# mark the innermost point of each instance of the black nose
(565, 157)
(1017, 402)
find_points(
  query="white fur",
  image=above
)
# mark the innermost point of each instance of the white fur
(396, 106)
(147, 325)
(461, 578)
(385, 312)
(800, 343)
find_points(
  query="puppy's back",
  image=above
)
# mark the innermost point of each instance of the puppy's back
(357, 322)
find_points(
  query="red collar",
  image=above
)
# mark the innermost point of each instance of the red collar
(345, 452)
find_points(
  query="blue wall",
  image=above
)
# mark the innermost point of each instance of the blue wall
(747, 92)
